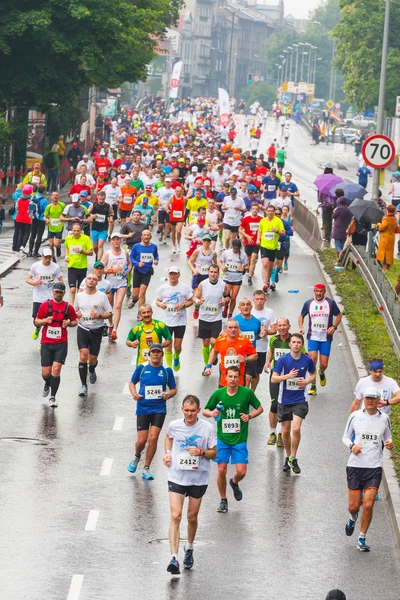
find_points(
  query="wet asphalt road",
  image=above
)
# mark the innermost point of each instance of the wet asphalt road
(284, 540)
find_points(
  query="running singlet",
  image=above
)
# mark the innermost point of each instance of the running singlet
(320, 318)
(211, 310)
(101, 211)
(119, 265)
(148, 334)
(153, 382)
(177, 210)
(203, 262)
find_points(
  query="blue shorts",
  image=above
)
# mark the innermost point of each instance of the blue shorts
(238, 453)
(99, 235)
(121, 287)
(55, 235)
(323, 348)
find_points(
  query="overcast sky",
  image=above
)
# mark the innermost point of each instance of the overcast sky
(300, 8)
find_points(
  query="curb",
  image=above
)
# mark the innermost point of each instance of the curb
(389, 479)
(8, 265)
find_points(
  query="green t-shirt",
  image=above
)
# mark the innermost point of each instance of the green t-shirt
(148, 334)
(138, 184)
(158, 185)
(230, 428)
(77, 260)
(280, 155)
(53, 212)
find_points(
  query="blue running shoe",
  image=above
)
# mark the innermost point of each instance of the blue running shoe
(188, 561)
(349, 529)
(146, 474)
(173, 567)
(237, 492)
(176, 365)
(133, 464)
(362, 545)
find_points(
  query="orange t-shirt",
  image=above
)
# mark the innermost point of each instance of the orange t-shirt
(229, 352)
(127, 200)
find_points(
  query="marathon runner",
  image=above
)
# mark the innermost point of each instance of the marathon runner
(366, 434)
(148, 332)
(78, 247)
(267, 318)
(290, 371)
(164, 195)
(52, 215)
(233, 264)
(117, 267)
(174, 298)
(91, 307)
(42, 275)
(271, 230)
(233, 209)
(151, 407)
(54, 316)
(143, 256)
(387, 387)
(252, 329)
(320, 311)
(190, 445)
(102, 213)
(230, 407)
(201, 260)
(176, 210)
(249, 231)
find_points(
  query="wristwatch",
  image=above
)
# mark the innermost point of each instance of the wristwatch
(351, 445)
(387, 403)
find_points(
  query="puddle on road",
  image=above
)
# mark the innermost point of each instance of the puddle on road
(23, 440)
(182, 539)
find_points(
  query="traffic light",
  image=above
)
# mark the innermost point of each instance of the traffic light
(250, 78)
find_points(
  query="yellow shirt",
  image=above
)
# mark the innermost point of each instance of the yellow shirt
(153, 200)
(77, 259)
(269, 239)
(193, 205)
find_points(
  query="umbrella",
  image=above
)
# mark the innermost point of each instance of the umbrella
(333, 165)
(324, 183)
(367, 210)
(350, 190)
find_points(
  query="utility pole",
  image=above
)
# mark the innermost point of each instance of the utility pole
(230, 55)
(297, 62)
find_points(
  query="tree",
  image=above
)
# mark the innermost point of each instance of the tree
(261, 92)
(359, 52)
(51, 49)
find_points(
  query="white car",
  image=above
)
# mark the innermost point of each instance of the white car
(361, 122)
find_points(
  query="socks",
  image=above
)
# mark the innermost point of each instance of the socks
(274, 274)
(168, 358)
(54, 385)
(92, 368)
(353, 516)
(206, 354)
(83, 369)
(362, 535)
(47, 381)
(176, 355)
(188, 546)
(273, 430)
(174, 556)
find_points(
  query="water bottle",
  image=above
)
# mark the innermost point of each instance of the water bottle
(219, 407)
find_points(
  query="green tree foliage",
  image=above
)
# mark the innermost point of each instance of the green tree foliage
(261, 92)
(359, 51)
(51, 49)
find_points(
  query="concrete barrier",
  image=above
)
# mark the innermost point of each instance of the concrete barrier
(307, 225)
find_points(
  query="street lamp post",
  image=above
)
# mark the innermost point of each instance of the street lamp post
(291, 61)
(302, 62)
(297, 62)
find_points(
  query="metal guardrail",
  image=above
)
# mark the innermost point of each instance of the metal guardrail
(382, 291)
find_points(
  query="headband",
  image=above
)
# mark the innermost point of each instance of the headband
(374, 365)
(319, 286)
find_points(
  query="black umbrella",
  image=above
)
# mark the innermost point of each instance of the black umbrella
(367, 210)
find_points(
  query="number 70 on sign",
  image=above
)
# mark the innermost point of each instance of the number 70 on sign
(378, 151)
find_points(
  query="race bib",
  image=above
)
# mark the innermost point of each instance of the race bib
(188, 462)
(249, 335)
(319, 324)
(210, 309)
(254, 226)
(100, 218)
(368, 438)
(278, 352)
(153, 392)
(292, 385)
(53, 333)
(171, 309)
(271, 188)
(269, 236)
(46, 278)
(86, 319)
(231, 266)
(146, 257)
(76, 249)
(231, 218)
(231, 361)
(193, 214)
(177, 214)
(55, 222)
(230, 425)
(204, 269)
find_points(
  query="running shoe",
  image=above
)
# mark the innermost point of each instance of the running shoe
(286, 467)
(173, 249)
(114, 335)
(173, 567)
(225, 312)
(313, 390)
(362, 545)
(133, 464)
(92, 377)
(322, 378)
(349, 528)
(285, 265)
(35, 333)
(131, 303)
(164, 241)
(128, 292)
(178, 248)
(110, 330)
(58, 251)
(53, 402)
(237, 492)
(138, 317)
(196, 313)
(272, 287)
(377, 496)
(188, 561)
(176, 365)
(279, 443)
(229, 315)
(146, 474)
(46, 391)
(160, 239)
(272, 439)
(83, 391)
(266, 288)
(295, 466)
(249, 281)
(223, 506)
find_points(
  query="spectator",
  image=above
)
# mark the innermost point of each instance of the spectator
(2, 212)
(315, 133)
(52, 163)
(341, 217)
(394, 190)
(22, 220)
(387, 229)
(359, 232)
(327, 204)
(38, 224)
(36, 172)
(61, 148)
(336, 595)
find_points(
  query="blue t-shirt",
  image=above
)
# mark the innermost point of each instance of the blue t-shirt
(288, 390)
(167, 169)
(153, 381)
(272, 184)
(147, 211)
(363, 173)
(145, 254)
(249, 328)
(249, 202)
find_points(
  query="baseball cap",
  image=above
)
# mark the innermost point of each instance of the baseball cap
(181, 159)
(75, 197)
(59, 287)
(83, 193)
(123, 167)
(47, 252)
(336, 595)
(207, 182)
(136, 210)
(233, 191)
(371, 392)
(195, 169)
(116, 234)
(102, 152)
(98, 263)
(273, 170)
(174, 270)
(156, 347)
(319, 286)
(200, 157)
(168, 179)
(206, 236)
(85, 156)
(149, 188)
(27, 189)
(230, 158)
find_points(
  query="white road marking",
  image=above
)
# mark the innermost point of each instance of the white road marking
(119, 421)
(133, 361)
(75, 587)
(106, 466)
(126, 388)
(92, 520)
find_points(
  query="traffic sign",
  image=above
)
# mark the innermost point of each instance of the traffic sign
(224, 120)
(378, 151)
(174, 83)
(256, 78)
(337, 105)
(330, 104)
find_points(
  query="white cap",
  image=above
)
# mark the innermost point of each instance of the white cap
(102, 152)
(371, 392)
(85, 156)
(195, 169)
(116, 234)
(123, 167)
(75, 198)
(47, 252)
(174, 270)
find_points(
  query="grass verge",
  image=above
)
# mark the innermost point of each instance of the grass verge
(367, 324)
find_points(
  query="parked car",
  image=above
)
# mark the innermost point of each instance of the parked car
(361, 122)
(343, 135)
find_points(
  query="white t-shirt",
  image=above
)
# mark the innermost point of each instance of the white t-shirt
(254, 144)
(164, 195)
(184, 470)
(89, 179)
(387, 388)
(369, 432)
(88, 302)
(267, 318)
(112, 193)
(232, 216)
(172, 295)
(89, 164)
(48, 276)
(279, 202)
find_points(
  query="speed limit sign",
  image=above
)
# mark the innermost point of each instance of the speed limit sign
(378, 151)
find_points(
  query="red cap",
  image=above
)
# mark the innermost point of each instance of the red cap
(36, 166)
(149, 188)
(74, 144)
(319, 286)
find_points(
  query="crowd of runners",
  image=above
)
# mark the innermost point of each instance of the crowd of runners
(220, 210)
